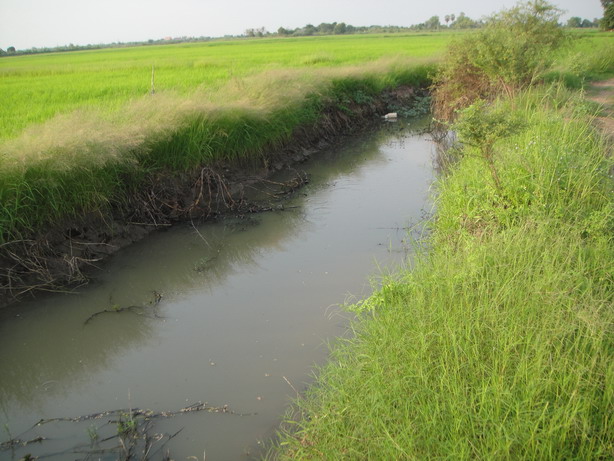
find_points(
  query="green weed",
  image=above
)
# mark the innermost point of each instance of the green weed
(127, 425)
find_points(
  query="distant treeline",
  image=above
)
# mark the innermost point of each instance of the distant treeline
(450, 21)
(11, 51)
(577, 22)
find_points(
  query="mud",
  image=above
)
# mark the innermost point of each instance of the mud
(63, 257)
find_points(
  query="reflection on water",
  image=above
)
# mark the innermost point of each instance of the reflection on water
(247, 307)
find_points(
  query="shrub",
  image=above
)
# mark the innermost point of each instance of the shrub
(514, 48)
(481, 127)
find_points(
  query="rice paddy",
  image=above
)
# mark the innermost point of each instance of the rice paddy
(37, 87)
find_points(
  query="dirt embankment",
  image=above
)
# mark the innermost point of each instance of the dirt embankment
(66, 254)
(603, 93)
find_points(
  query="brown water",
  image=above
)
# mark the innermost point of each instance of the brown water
(248, 307)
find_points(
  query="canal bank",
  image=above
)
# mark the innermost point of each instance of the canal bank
(497, 344)
(72, 196)
(248, 305)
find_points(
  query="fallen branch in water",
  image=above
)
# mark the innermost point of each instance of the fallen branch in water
(116, 309)
(133, 430)
(16, 442)
(138, 412)
(287, 187)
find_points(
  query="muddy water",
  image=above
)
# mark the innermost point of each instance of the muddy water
(248, 305)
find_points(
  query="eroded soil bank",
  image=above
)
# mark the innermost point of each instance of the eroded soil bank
(65, 254)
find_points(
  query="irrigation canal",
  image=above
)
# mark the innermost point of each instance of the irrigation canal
(233, 313)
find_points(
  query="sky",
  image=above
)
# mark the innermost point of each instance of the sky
(40, 23)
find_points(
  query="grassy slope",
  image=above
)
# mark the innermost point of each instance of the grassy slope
(589, 58)
(499, 343)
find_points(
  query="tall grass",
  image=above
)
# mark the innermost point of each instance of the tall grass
(498, 344)
(87, 160)
(591, 58)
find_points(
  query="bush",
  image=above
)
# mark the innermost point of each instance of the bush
(481, 127)
(514, 48)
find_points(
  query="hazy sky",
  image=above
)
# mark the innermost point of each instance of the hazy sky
(29, 23)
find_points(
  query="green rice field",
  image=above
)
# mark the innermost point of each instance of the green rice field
(34, 88)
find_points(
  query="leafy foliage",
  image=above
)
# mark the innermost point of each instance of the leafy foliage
(514, 48)
(517, 44)
(481, 127)
(607, 23)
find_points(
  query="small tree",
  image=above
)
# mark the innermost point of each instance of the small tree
(518, 44)
(463, 22)
(433, 23)
(326, 28)
(481, 127)
(309, 29)
(11, 50)
(508, 54)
